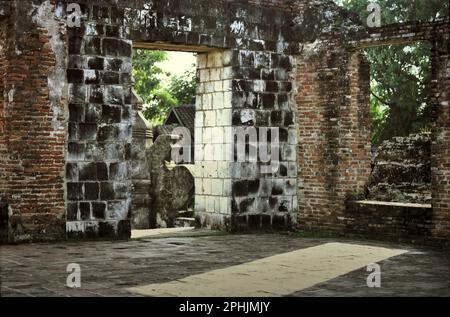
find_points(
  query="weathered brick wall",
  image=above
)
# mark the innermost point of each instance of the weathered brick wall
(334, 144)
(401, 170)
(4, 212)
(284, 56)
(3, 68)
(334, 124)
(403, 33)
(436, 33)
(354, 139)
(411, 223)
(440, 151)
(333, 118)
(33, 124)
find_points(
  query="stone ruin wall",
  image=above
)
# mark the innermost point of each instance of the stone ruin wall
(3, 66)
(401, 170)
(440, 148)
(334, 144)
(4, 212)
(397, 202)
(81, 167)
(68, 112)
(33, 122)
(333, 119)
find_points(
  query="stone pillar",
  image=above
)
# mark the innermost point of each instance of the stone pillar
(32, 120)
(440, 150)
(354, 129)
(99, 149)
(264, 192)
(3, 141)
(4, 212)
(334, 133)
(242, 95)
(213, 140)
(140, 167)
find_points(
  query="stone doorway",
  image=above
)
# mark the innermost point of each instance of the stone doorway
(164, 190)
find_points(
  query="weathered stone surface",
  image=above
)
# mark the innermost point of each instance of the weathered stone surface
(67, 113)
(172, 188)
(333, 128)
(402, 170)
(32, 120)
(333, 119)
(4, 221)
(35, 270)
(389, 221)
(4, 8)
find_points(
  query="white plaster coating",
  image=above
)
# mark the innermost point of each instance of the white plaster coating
(57, 76)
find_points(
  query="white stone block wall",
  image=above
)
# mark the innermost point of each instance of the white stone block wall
(213, 134)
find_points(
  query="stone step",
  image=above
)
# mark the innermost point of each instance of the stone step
(186, 213)
(182, 222)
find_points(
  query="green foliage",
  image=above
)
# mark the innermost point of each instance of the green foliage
(149, 85)
(157, 110)
(401, 74)
(145, 72)
(379, 114)
(183, 87)
(396, 11)
(401, 94)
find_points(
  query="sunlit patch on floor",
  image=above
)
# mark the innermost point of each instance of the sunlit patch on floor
(137, 234)
(277, 275)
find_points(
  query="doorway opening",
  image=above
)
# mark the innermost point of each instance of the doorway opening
(181, 176)
(165, 84)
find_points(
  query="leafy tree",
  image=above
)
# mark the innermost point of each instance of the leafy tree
(146, 73)
(400, 74)
(396, 11)
(162, 102)
(149, 85)
(183, 88)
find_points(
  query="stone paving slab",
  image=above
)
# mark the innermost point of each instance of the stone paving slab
(109, 268)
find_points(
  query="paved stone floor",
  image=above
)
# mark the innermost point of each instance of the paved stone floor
(109, 268)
